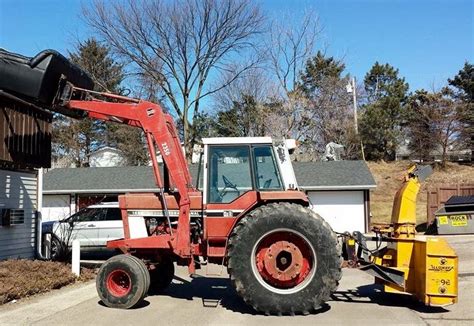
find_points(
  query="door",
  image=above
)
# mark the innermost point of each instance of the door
(111, 227)
(236, 173)
(343, 210)
(83, 226)
(229, 173)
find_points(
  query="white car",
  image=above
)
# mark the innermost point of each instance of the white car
(93, 226)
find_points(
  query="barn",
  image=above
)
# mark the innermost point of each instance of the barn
(339, 191)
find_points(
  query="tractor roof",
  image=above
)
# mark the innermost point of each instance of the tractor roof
(236, 140)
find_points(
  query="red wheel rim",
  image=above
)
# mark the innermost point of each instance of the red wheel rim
(284, 260)
(119, 283)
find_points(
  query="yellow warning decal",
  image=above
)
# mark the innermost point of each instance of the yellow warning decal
(351, 242)
(443, 220)
(458, 220)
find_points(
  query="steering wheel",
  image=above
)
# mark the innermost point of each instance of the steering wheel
(228, 184)
(267, 184)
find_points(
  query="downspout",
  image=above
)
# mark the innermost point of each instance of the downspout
(38, 216)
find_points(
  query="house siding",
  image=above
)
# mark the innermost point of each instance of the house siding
(18, 190)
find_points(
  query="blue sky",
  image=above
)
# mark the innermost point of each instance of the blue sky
(428, 41)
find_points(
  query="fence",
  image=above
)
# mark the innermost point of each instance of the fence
(439, 195)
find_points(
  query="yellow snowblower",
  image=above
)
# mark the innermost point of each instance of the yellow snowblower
(423, 266)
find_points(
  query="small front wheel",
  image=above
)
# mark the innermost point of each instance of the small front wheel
(121, 282)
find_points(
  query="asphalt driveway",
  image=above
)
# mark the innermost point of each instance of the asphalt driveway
(212, 301)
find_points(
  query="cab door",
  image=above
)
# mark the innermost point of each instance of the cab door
(235, 174)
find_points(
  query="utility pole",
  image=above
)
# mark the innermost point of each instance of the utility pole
(351, 87)
(354, 99)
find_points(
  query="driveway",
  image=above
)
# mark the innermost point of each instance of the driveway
(211, 301)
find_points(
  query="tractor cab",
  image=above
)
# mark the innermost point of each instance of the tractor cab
(233, 166)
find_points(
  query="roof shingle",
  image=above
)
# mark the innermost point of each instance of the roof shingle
(310, 175)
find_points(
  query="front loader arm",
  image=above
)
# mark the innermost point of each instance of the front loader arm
(159, 129)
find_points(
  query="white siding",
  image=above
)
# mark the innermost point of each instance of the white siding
(343, 210)
(18, 190)
(56, 207)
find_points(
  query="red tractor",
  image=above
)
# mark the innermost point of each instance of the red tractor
(250, 216)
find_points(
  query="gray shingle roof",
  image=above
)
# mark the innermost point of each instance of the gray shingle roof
(334, 175)
(310, 175)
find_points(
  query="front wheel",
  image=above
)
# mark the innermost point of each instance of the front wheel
(284, 259)
(121, 282)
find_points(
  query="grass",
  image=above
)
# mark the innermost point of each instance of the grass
(22, 278)
(389, 178)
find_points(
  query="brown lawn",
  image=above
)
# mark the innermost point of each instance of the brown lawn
(21, 278)
(389, 175)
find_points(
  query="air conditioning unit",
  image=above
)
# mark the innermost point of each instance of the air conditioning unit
(10, 217)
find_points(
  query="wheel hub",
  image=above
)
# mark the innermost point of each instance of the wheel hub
(119, 283)
(283, 259)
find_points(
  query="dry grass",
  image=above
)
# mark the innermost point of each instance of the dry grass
(22, 278)
(389, 175)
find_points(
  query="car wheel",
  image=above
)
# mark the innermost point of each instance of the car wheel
(57, 249)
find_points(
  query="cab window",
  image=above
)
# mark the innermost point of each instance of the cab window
(266, 171)
(229, 173)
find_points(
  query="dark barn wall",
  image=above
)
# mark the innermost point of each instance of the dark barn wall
(25, 136)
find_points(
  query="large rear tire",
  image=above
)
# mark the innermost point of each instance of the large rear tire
(284, 259)
(121, 282)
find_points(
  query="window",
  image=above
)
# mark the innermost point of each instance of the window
(113, 214)
(266, 174)
(89, 214)
(229, 173)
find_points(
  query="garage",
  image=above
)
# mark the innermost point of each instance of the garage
(339, 191)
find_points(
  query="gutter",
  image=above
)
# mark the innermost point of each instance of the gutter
(94, 191)
(349, 187)
(38, 216)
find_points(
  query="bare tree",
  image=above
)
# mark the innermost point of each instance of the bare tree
(289, 49)
(290, 46)
(181, 44)
(438, 111)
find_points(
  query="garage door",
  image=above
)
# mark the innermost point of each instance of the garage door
(343, 210)
(56, 207)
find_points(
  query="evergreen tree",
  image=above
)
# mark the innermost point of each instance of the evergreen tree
(244, 119)
(77, 139)
(463, 82)
(318, 72)
(328, 114)
(384, 113)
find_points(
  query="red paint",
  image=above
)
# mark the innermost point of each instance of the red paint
(119, 283)
(283, 259)
(161, 133)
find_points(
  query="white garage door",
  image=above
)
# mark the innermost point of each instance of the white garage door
(343, 210)
(56, 207)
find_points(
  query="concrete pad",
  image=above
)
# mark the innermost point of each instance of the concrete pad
(212, 301)
(29, 311)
